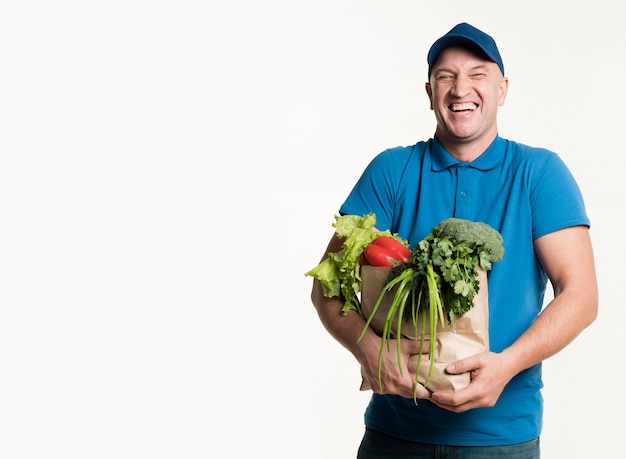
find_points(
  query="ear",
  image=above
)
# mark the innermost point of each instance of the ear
(503, 90)
(429, 91)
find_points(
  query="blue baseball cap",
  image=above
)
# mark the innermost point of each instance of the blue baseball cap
(466, 35)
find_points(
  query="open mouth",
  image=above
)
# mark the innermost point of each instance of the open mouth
(464, 107)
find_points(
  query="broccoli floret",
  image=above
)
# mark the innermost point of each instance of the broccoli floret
(487, 241)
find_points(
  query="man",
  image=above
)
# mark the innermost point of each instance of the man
(468, 171)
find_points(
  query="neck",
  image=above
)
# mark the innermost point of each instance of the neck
(465, 151)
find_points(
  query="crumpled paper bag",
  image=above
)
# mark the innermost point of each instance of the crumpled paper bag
(466, 336)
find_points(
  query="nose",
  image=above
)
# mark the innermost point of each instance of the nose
(461, 86)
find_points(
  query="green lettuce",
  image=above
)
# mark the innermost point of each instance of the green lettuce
(340, 272)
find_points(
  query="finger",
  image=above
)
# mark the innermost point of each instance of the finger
(456, 401)
(462, 366)
(421, 392)
(445, 399)
(454, 368)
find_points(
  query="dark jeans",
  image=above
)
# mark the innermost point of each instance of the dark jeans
(376, 445)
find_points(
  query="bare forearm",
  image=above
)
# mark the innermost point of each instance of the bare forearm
(346, 329)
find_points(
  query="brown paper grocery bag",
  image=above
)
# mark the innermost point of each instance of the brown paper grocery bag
(466, 336)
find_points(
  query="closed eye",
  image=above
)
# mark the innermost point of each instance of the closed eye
(444, 78)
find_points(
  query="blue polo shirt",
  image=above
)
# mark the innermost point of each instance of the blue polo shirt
(523, 192)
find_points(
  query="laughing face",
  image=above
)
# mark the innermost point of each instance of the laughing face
(465, 91)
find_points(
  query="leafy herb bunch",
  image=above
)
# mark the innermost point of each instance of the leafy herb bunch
(450, 257)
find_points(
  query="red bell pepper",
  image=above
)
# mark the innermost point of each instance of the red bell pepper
(385, 251)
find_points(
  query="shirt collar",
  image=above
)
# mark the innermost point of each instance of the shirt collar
(489, 159)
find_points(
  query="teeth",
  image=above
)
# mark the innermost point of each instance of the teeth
(465, 106)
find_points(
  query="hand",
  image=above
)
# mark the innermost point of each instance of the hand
(489, 374)
(394, 381)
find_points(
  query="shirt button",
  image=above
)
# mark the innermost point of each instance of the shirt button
(463, 194)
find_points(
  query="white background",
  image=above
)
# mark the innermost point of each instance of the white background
(169, 171)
